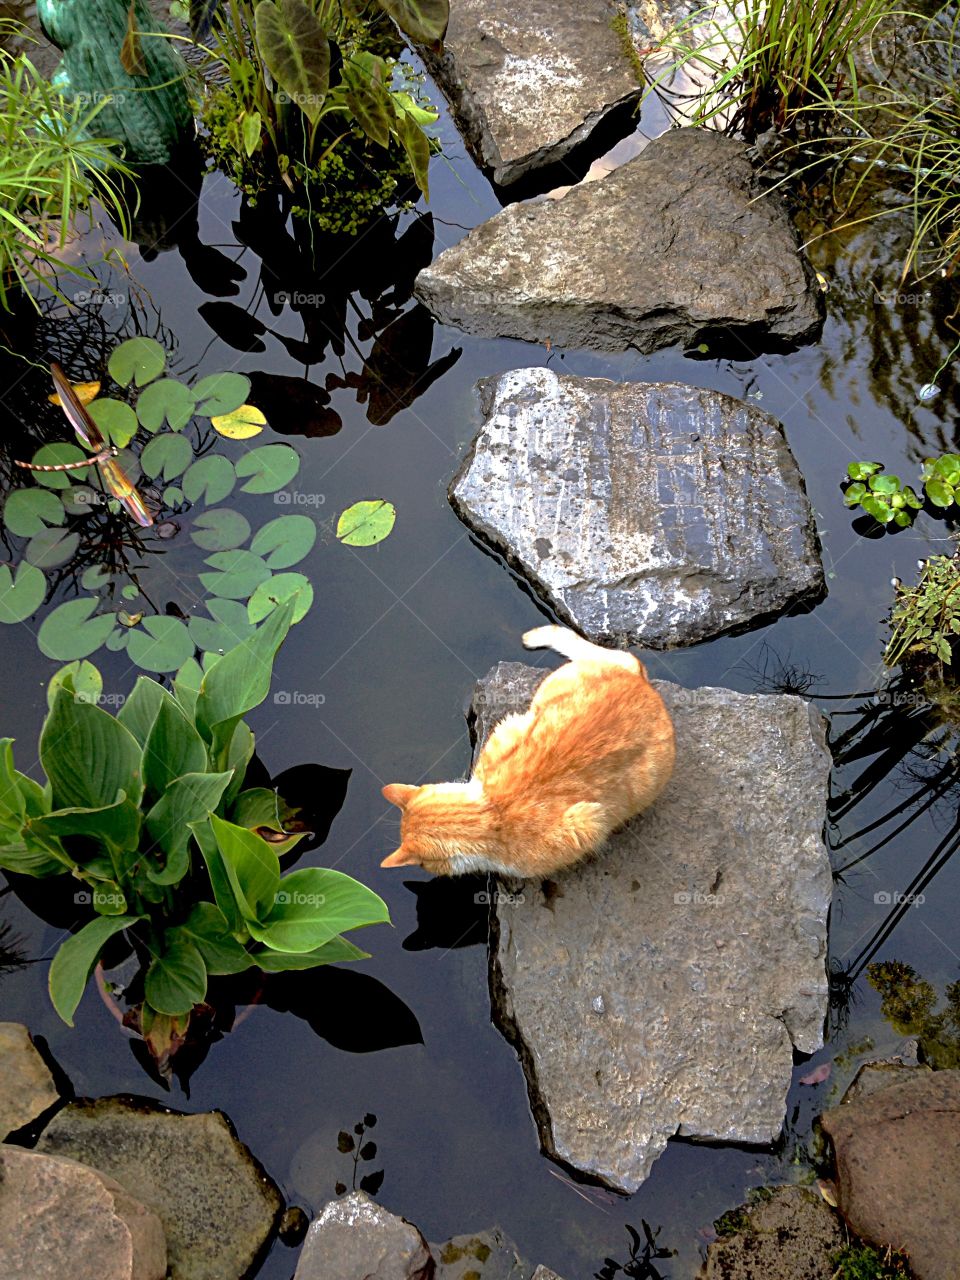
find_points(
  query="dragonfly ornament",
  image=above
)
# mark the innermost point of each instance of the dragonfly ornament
(104, 456)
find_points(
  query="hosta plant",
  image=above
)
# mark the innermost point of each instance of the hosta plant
(147, 812)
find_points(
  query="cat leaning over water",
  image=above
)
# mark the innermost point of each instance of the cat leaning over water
(551, 784)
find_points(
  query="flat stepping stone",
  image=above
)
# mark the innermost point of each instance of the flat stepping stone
(26, 1085)
(641, 513)
(662, 988)
(785, 1234)
(672, 247)
(528, 83)
(217, 1205)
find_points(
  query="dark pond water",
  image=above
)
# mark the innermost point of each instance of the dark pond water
(376, 681)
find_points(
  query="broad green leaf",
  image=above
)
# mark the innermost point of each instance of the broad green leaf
(172, 749)
(239, 753)
(186, 685)
(252, 868)
(116, 825)
(259, 808)
(220, 529)
(167, 400)
(296, 49)
(85, 681)
(73, 963)
(51, 547)
(366, 523)
(940, 494)
(55, 455)
(252, 128)
(853, 493)
(862, 470)
(163, 644)
(140, 359)
(227, 627)
(877, 508)
(239, 574)
(417, 146)
(96, 578)
(281, 587)
(884, 484)
(13, 805)
(243, 424)
(88, 756)
(314, 905)
(207, 928)
(211, 478)
(285, 541)
(73, 630)
(27, 511)
(368, 98)
(190, 799)
(270, 466)
(424, 21)
(167, 455)
(22, 596)
(216, 870)
(140, 709)
(221, 393)
(332, 952)
(176, 980)
(116, 420)
(30, 859)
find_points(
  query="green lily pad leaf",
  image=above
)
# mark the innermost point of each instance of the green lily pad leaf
(176, 980)
(220, 529)
(277, 589)
(862, 470)
(74, 630)
(168, 455)
(172, 496)
(163, 644)
(117, 640)
(221, 393)
(285, 541)
(167, 399)
(55, 455)
(295, 46)
(116, 420)
(97, 578)
(884, 485)
(229, 626)
(80, 499)
(51, 547)
(140, 359)
(240, 573)
(940, 494)
(23, 595)
(269, 467)
(877, 508)
(130, 591)
(366, 523)
(243, 424)
(85, 680)
(211, 478)
(27, 511)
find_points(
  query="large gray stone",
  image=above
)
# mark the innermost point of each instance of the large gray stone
(26, 1085)
(648, 513)
(788, 1234)
(672, 247)
(661, 988)
(355, 1238)
(898, 1165)
(62, 1219)
(528, 83)
(217, 1205)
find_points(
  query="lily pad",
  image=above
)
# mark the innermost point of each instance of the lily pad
(55, 455)
(239, 574)
(227, 626)
(28, 511)
(140, 359)
(221, 393)
(96, 578)
(269, 467)
(74, 630)
(117, 640)
(167, 456)
(242, 424)
(211, 478)
(277, 589)
(366, 523)
(166, 399)
(116, 420)
(172, 496)
(51, 547)
(285, 541)
(87, 682)
(84, 391)
(80, 499)
(220, 529)
(23, 595)
(162, 644)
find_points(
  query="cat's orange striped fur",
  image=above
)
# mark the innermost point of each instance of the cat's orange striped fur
(595, 748)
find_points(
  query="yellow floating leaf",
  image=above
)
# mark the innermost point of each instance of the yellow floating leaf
(86, 391)
(243, 423)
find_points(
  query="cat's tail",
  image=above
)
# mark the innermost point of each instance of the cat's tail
(574, 647)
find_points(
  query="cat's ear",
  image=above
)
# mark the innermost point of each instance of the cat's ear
(402, 857)
(399, 793)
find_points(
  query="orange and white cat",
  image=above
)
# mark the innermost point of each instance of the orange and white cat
(595, 748)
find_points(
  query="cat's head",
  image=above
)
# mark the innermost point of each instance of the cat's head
(444, 827)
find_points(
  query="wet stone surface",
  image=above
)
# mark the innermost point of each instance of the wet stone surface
(26, 1085)
(788, 1234)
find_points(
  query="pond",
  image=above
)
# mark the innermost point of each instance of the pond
(376, 680)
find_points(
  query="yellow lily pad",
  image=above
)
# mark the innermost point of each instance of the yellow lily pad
(86, 391)
(243, 423)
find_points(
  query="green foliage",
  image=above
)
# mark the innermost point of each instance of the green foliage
(864, 1262)
(147, 813)
(888, 500)
(925, 619)
(52, 166)
(366, 523)
(909, 1002)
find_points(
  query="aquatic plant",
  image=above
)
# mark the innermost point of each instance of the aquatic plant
(888, 499)
(863, 1262)
(52, 165)
(925, 619)
(353, 1144)
(313, 95)
(147, 811)
(909, 1002)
